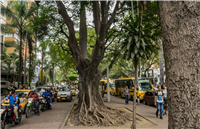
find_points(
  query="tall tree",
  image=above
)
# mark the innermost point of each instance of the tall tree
(19, 13)
(90, 104)
(180, 22)
(139, 41)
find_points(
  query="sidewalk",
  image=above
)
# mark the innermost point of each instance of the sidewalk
(147, 112)
(144, 110)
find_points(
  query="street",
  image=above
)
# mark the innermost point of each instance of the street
(48, 119)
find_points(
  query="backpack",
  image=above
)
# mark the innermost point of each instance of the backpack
(159, 96)
(15, 98)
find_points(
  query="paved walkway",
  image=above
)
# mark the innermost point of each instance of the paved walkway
(146, 111)
(50, 119)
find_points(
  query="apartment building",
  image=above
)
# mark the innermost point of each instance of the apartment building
(11, 41)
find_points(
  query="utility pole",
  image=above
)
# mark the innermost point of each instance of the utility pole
(25, 57)
(53, 75)
(108, 84)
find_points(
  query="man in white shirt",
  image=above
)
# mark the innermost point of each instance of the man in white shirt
(165, 100)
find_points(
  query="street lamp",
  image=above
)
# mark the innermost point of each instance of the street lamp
(108, 83)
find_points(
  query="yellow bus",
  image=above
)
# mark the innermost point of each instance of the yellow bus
(144, 85)
(103, 85)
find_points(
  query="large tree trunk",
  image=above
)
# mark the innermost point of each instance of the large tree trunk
(20, 59)
(91, 109)
(180, 22)
(135, 88)
(161, 62)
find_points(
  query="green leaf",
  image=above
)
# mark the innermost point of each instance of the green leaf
(129, 40)
(138, 44)
(137, 29)
(132, 55)
(135, 50)
(136, 38)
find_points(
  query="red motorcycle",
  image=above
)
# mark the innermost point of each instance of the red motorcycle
(8, 116)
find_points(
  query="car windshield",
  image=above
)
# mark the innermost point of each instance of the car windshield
(64, 89)
(144, 86)
(40, 90)
(112, 84)
(22, 94)
(72, 88)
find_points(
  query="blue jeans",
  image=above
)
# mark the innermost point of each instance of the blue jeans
(126, 99)
(159, 107)
(37, 106)
(48, 102)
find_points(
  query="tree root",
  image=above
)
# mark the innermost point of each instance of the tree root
(97, 116)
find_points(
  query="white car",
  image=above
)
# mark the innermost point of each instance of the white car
(64, 93)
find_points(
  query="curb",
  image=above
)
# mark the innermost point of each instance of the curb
(67, 116)
(143, 117)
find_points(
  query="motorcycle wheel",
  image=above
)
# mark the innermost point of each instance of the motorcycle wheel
(35, 111)
(19, 117)
(27, 112)
(2, 125)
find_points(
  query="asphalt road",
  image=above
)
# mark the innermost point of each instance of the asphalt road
(49, 119)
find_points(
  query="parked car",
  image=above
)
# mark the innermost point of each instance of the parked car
(149, 98)
(64, 93)
(41, 89)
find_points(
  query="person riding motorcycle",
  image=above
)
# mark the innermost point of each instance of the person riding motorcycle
(47, 94)
(13, 100)
(49, 91)
(35, 97)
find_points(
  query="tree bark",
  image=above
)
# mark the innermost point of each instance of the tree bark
(20, 58)
(161, 62)
(180, 23)
(135, 88)
(83, 32)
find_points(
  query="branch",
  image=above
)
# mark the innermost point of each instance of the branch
(112, 16)
(62, 31)
(83, 32)
(61, 45)
(96, 15)
(73, 44)
(104, 10)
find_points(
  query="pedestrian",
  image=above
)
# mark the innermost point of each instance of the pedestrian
(165, 100)
(159, 101)
(126, 93)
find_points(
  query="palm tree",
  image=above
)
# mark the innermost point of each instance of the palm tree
(19, 14)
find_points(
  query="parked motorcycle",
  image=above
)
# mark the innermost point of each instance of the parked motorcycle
(30, 107)
(8, 116)
(44, 104)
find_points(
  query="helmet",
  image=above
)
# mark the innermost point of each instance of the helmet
(11, 89)
(33, 90)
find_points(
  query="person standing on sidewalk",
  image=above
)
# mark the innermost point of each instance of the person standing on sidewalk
(165, 100)
(126, 93)
(159, 101)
